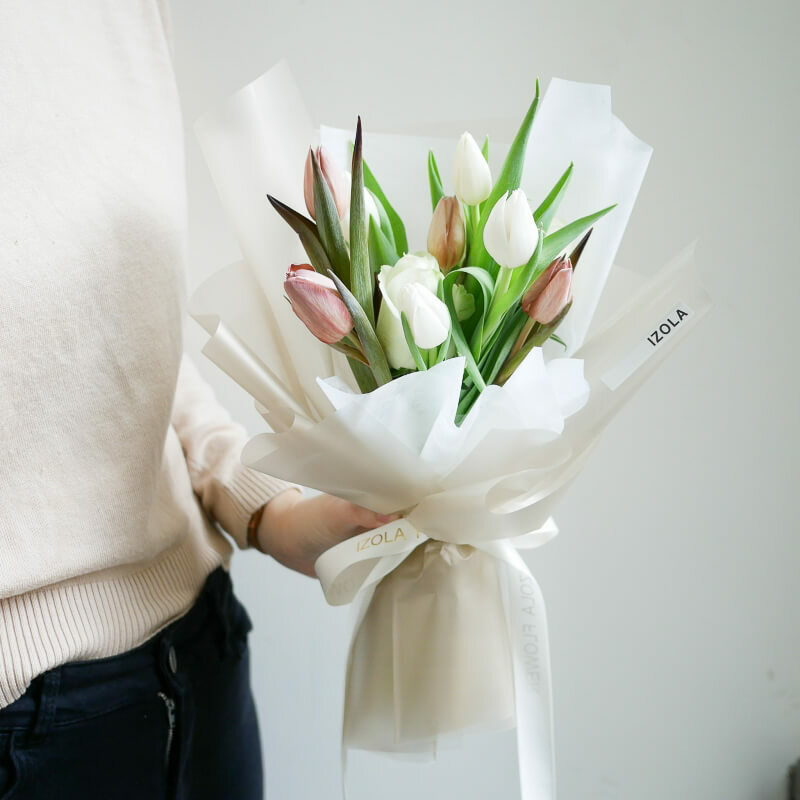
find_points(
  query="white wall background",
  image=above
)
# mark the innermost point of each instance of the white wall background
(673, 588)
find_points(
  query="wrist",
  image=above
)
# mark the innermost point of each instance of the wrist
(273, 518)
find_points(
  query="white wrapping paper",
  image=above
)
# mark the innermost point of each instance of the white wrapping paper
(451, 634)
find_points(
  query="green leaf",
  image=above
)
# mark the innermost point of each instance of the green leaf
(508, 180)
(559, 340)
(556, 242)
(412, 345)
(363, 375)
(330, 231)
(399, 230)
(365, 332)
(381, 250)
(462, 346)
(463, 301)
(547, 210)
(307, 231)
(485, 148)
(536, 339)
(361, 279)
(437, 192)
(350, 352)
(385, 225)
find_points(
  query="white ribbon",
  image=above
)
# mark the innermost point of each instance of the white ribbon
(353, 568)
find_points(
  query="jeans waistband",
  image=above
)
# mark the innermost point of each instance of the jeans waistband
(80, 689)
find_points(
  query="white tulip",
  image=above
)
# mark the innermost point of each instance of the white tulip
(473, 178)
(369, 204)
(511, 235)
(410, 287)
(428, 317)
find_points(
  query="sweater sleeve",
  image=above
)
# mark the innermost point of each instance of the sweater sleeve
(212, 442)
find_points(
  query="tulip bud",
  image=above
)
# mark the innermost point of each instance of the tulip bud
(510, 235)
(334, 177)
(473, 178)
(410, 287)
(428, 317)
(447, 235)
(315, 300)
(550, 292)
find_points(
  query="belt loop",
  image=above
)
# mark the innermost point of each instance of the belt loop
(48, 696)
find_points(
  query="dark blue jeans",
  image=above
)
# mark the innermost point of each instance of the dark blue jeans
(173, 718)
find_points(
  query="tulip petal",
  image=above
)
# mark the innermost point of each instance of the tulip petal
(330, 232)
(472, 176)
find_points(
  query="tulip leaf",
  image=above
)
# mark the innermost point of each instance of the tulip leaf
(381, 250)
(437, 192)
(464, 302)
(361, 278)
(385, 225)
(559, 340)
(399, 230)
(503, 348)
(365, 332)
(330, 231)
(350, 352)
(546, 211)
(557, 241)
(536, 339)
(412, 345)
(508, 180)
(363, 375)
(460, 341)
(308, 233)
(485, 148)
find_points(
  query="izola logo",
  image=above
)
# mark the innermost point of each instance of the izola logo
(666, 327)
(384, 537)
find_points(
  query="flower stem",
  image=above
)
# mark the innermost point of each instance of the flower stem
(523, 335)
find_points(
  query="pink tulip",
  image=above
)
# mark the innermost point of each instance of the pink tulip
(334, 177)
(315, 300)
(446, 235)
(550, 292)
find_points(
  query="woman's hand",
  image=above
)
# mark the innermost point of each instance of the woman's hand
(296, 530)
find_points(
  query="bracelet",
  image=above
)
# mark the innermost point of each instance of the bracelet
(252, 529)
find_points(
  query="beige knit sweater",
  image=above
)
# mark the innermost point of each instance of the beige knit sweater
(116, 457)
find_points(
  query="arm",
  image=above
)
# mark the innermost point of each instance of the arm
(212, 442)
(294, 530)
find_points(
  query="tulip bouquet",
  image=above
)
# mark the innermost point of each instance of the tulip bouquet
(492, 285)
(440, 395)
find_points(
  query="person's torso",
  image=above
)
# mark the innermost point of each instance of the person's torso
(92, 249)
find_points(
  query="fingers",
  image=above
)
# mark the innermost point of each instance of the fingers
(367, 519)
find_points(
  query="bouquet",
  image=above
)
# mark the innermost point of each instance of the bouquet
(454, 382)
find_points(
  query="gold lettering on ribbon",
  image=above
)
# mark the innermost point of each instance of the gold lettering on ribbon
(382, 537)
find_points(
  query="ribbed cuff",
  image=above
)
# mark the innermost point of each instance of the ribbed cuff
(248, 491)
